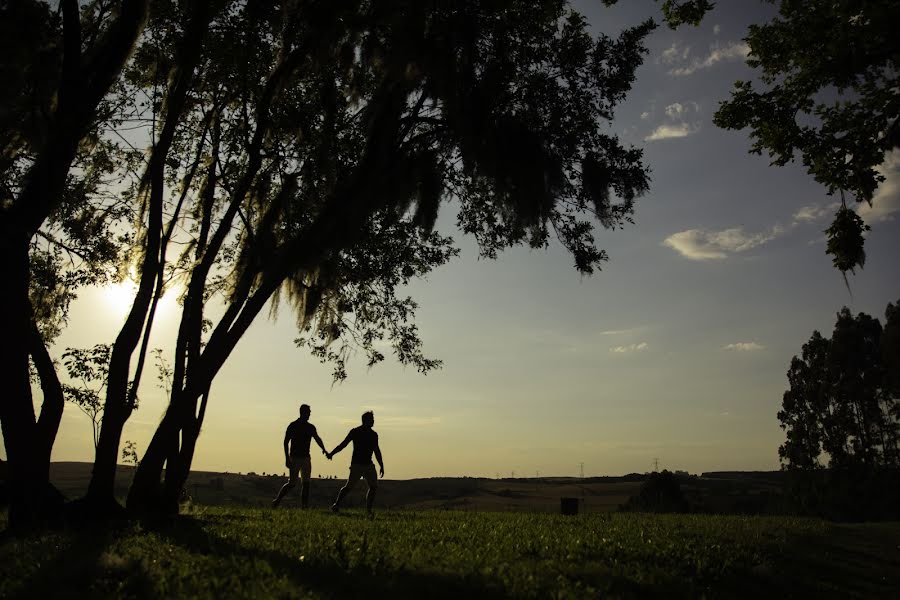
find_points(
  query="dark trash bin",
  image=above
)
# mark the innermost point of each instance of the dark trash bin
(568, 506)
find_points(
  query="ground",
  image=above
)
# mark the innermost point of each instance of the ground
(225, 552)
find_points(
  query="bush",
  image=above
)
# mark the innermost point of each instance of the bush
(660, 493)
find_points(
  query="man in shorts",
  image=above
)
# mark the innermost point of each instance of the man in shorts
(298, 435)
(365, 443)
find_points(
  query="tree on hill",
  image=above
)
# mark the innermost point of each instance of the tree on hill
(843, 407)
(831, 74)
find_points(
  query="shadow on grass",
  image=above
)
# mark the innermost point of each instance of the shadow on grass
(857, 561)
(330, 580)
(81, 569)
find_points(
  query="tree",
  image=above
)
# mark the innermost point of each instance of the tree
(308, 147)
(91, 368)
(831, 73)
(843, 408)
(61, 66)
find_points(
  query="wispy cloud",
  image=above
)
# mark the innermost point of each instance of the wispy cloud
(815, 212)
(743, 347)
(675, 53)
(729, 52)
(668, 131)
(717, 29)
(620, 331)
(886, 200)
(399, 422)
(678, 125)
(700, 244)
(640, 347)
(677, 110)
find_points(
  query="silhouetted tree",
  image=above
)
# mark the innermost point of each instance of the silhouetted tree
(313, 144)
(661, 492)
(843, 407)
(58, 67)
(831, 72)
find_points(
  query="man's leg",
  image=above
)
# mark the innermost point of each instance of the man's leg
(291, 482)
(351, 481)
(372, 480)
(305, 475)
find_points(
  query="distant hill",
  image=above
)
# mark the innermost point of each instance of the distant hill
(719, 492)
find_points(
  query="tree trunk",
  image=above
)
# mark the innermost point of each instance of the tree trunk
(26, 477)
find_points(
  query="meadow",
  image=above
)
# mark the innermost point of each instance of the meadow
(231, 552)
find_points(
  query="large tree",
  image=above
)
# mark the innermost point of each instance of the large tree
(843, 406)
(304, 149)
(830, 75)
(57, 71)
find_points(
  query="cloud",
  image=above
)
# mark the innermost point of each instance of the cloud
(743, 347)
(675, 53)
(814, 212)
(398, 422)
(699, 244)
(886, 200)
(629, 348)
(717, 29)
(678, 125)
(717, 54)
(619, 331)
(677, 110)
(668, 131)
(645, 115)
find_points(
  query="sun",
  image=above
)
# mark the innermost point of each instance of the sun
(119, 298)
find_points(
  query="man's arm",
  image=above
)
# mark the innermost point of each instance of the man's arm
(341, 446)
(319, 441)
(287, 455)
(378, 457)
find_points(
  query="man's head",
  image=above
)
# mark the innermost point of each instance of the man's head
(368, 418)
(304, 411)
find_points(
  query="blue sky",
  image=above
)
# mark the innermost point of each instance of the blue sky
(677, 350)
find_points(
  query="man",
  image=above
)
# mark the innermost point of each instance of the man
(365, 443)
(298, 435)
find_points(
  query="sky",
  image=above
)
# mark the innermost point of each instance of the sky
(676, 351)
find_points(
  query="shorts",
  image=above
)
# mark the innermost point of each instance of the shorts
(366, 471)
(301, 465)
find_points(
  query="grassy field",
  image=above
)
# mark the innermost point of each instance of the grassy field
(225, 552)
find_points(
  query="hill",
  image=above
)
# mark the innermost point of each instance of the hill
(734, 492)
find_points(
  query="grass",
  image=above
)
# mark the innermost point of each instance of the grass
(216, 552)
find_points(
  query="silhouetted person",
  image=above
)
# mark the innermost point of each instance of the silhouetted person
(365, 443)
(298, 435)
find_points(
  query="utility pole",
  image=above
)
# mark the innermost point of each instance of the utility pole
(581, 469)
(655, 465)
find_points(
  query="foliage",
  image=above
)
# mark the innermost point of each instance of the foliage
(832, 75)
(130, 453)
(251, 553)
(843, 408)
(90, 366)
(660, 493)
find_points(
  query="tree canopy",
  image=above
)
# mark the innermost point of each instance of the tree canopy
(843, 405)
(830, 73)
